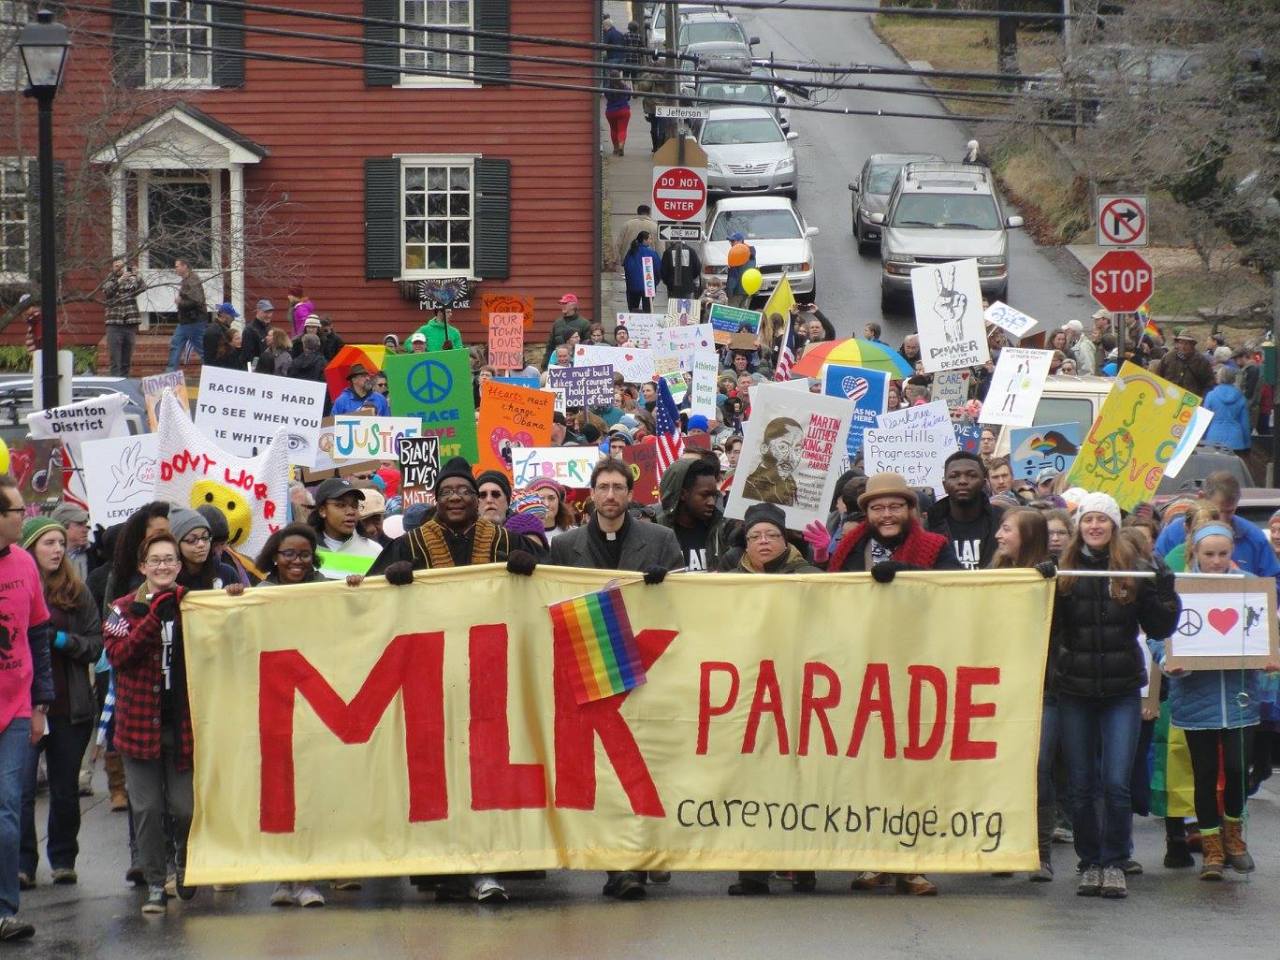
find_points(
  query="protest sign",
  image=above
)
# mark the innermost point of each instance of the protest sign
(1052, 446)
(36, 467)
(1016, 386)
(727, 320)
(325, 464)
(153, 386)
(650, 280)
(533, 383)
(641, 327)
(587, 386)
(1010, 320)
(681, 312)
(74, 424)
(666, 366)
(913, 442)
(634, 363)
(371, 438)
(242, 412)
(968, 436)
(506, 341)
(1225, 624)
(511, 417)
(567, 466)
(706, 367)
(867, 390)
(948, 305)
(951, 387)
(642, 458)
(1134, 437)
(491, 303)
(192, 470)
(685, 341)
(331, 727)
(419, 461)
(437, 388)
(791, 453)
(120, 475)
(1187, 445)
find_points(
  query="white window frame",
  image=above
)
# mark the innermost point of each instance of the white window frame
(467, 57)
(150, 178)
(150, 25)
(17, 163)
(13, 74)
(467, 160)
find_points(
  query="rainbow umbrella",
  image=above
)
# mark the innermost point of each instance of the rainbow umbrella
(855, 352)
(370, 356)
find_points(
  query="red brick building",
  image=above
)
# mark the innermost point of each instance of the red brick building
(180, 133)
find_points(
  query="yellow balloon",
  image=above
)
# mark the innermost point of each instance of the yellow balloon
(751, 280)
(4, 457)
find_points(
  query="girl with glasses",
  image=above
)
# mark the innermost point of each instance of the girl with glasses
(201, 570)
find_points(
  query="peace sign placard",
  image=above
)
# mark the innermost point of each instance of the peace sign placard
(1226, 624)
(436, 388)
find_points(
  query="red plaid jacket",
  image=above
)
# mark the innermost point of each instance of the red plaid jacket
(132, 635)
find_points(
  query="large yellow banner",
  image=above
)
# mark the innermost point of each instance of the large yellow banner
(809, 722)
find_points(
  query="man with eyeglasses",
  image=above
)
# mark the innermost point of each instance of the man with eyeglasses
(495, 495)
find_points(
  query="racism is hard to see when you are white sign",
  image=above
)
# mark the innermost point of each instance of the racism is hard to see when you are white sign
(244, 411)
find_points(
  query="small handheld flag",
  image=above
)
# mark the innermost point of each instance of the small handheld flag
(605, 659)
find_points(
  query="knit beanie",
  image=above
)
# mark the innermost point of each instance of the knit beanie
(548, 484)
(498, 477)
(530, 503)
(459, 468)
(1090, 503)
(764, 513)
(182, 521)
(35, 526)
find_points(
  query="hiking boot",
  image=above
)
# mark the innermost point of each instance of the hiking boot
(915, 884)
(115, 783)
(1177, 855)
(1090, 884)
(1237, 852)
(1214, 859)
(1044, 874)
(1114, 886)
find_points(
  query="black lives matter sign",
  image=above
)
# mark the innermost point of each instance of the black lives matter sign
(419, 461)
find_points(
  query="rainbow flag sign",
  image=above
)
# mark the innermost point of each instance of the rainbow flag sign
(606, 660)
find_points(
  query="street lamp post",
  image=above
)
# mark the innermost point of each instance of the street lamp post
(44, 45)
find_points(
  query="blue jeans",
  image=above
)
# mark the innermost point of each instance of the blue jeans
(15, 744)
(183, 334)
(1099, 739)
(63, 748)
(1046, 796)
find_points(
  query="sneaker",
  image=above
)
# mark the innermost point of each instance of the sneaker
(283, 896)
(659, 876)
(65, 876)
(1114, 886)
(486, 889)
(1044, 874)
(916, 884)
(625, 886)
(309, 896)
(1131, 868)
(11, 929)
(156, 901)
(86, 783)
(871, 880)
(1063, 835)
(1090, 884)
(346, 884)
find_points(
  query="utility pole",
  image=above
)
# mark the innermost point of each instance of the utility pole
(1275, 377)
(673, 79)
(1066, 28)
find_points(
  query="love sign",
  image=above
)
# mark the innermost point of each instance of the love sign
(1226, 623)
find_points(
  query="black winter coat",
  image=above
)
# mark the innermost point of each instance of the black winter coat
(1095, 639)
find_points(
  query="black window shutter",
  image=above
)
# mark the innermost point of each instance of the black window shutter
(228, 34)
(381, 64)
(33, 214)
(128, 31)
(492, 15)
(381, 218)
(492, 182)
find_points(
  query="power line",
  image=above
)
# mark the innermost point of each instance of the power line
(785, 5)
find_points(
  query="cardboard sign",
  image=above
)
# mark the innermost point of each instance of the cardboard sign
(567, 466)
(913, 442)
(706, 370)
(1134, 437)
(506, 341)
(642, 328)
(242, 412)
(681, 313)
(1187, 445)
(1016, 386)
(326, 466)
(948, 304)
(1052, 446)
(727, 321)
(650, 281)
(511, 417)
(791, 453)
(120, 475)
(1226, 624)
(666, 366)
(436, 387)
(36, 466)
(371, 438)
(588, 386)
(73, 425)
(153, 386)
(1010, 320)
(685, 342)
(419, 459)
(951, 387)
(867, 390)
(634, 363)
(968, 436)
(491, 303)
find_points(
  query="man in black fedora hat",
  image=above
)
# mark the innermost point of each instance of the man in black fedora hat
(360, 397)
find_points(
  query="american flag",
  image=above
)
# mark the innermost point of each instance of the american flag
(786, 354)
(670, 440)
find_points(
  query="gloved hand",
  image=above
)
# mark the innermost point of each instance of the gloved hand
(1165, 579)
(521, 562)
(165, 605)
(819, 539)
(886, 570)
(60, 640)
(1047, 568)
(400, 573)
(655, 575)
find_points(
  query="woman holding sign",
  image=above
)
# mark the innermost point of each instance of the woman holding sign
(1098, 671)
(1219, 711)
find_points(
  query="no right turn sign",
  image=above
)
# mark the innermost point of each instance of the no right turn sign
(1122, 221)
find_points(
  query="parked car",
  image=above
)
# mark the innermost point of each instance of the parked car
(779, 234)
(754, 89)
(747, 152)
(16, 398)
(656, 20)
(716, 41)
(871, 192)
(939, 212)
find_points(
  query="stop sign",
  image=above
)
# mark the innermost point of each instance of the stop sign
(1121, 281)
(680, 194)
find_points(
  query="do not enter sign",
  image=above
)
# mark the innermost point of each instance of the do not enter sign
(1121, 281)
(680, 194)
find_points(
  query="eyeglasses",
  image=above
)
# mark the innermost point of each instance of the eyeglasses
(893, 506)
(157, 562)
(197, 539)
(491, 494)
(458, 493)
(295, 555)
(763, 537)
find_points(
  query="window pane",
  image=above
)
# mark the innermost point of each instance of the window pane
(437, 178)
(415, 258)
(179, 213)
(461, 258)
(460, 178)
(460, 204)
(438, 258)
(414, 205)
(415, 231)
(436, 205)
(438, 231)
(414, 178)
(460, 231)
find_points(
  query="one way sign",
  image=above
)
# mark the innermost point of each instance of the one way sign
(1122, 221)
